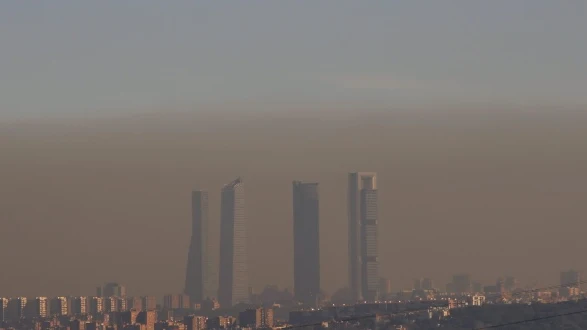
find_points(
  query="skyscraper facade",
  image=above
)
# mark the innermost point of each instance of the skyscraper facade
(234, 281)
(363, 250)
(200, 277)
(306, 242)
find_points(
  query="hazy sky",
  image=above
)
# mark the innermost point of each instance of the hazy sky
(78, 57)
(491, 192)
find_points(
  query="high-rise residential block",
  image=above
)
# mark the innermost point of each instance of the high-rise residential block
(234, 281)
(362, 230)
(149, 303)
(96, 305)
(148, 319)
(59, 306)
(111, 304)
(126, 318)
(193, 322)
(77, 325)
(259, 318)
(3, 307)
(78, 305)
(134, 303)
(176, 301)
(16, 308)
(221, 322)
(306, 230)
(38, 307)
(200, 280)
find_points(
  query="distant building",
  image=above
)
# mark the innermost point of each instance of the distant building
(417, 284)
(363, 252)
(112, 304)
(77, 324)
(450, 287)
(462, 283)
(96, 305)
(256, 318)
(500, 285)
(148, 319)
(78, 305)
(16, 308)
(113, 289)
(122, 319)
(200, 281)
(384, 287)
(569, 280)
(149, 303)
(221, 322)
(427, 284)
(3, 307)
(234, 280)
(58, 306)
(38, 307)
(135, 303)
(306, 230)
(210, 305)
(193, 322)
(510, 283)
(176, 301)
(478, 300)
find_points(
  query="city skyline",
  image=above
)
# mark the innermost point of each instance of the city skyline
(253, 165)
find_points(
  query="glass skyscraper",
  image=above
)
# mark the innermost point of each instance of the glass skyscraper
(234, 280)
(306, 242)
(363, 244)
(200, 276)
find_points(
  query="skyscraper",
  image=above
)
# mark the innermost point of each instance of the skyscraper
(199, 279)
(306, 242)
(234, 281)
(363, 250)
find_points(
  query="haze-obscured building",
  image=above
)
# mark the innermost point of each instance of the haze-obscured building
(306, 231)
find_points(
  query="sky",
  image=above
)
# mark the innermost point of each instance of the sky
(66, 58)
(471, 112)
